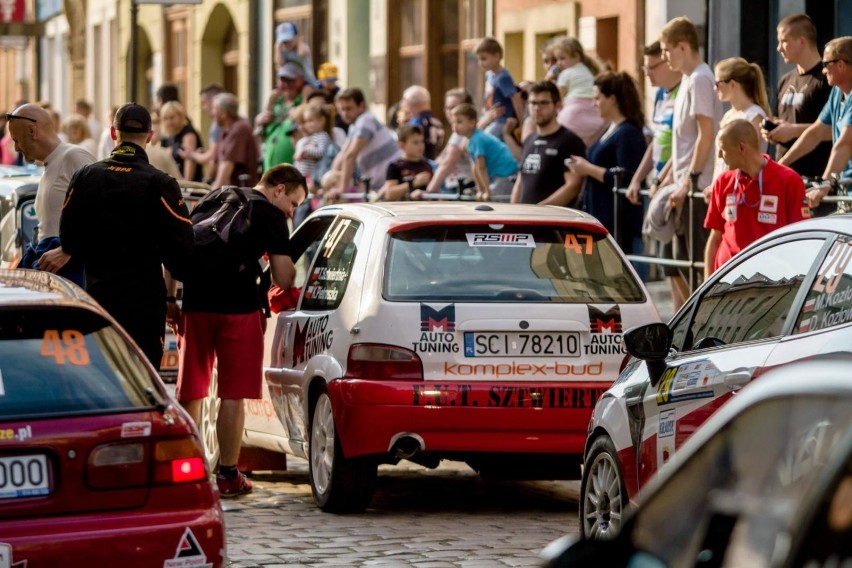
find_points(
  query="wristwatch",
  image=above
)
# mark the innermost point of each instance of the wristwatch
(655, 181)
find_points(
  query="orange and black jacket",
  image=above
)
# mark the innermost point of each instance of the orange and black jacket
(124, 219)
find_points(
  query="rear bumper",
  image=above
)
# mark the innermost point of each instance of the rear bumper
(131, 538)
(531, 418)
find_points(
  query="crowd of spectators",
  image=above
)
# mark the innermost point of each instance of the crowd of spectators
(559, 147)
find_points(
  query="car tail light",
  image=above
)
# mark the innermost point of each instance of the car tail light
(117, 466)
(178, 461)
(388, 362)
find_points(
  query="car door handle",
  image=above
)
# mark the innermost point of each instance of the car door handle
(738, 379)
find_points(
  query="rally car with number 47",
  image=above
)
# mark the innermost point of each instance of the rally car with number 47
(480, 333)
(787, 297)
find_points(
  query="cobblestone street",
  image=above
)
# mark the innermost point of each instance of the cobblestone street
(427, 518)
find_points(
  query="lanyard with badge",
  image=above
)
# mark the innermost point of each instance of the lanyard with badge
(768, 204)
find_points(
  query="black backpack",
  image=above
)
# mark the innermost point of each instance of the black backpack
(219, 219)
(223, 214)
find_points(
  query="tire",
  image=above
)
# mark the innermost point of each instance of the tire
(209, 415)
(603, 494)
(339, 484)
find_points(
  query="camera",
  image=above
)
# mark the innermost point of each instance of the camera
(767, 124)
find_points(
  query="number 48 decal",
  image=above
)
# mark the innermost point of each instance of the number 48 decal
(66, 346)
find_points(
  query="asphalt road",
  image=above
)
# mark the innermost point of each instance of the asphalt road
(427, 518)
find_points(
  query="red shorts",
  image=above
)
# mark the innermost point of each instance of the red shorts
(235, 340)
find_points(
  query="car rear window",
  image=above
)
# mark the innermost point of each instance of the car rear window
(507, 263)
(66, 361)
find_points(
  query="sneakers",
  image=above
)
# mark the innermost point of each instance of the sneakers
(228, 488)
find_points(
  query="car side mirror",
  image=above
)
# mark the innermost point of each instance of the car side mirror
(650, 342)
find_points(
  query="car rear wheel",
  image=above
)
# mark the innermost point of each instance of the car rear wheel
(603, 495)
(339, 484)
(209, 416)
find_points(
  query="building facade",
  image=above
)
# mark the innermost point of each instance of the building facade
(87, 49)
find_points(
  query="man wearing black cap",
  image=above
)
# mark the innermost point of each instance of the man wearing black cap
(126, 220)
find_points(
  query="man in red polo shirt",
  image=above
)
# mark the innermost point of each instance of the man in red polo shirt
(753, 198)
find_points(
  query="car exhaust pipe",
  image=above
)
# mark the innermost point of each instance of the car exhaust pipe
(405, 444)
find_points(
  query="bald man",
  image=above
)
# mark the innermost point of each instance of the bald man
(34, 133)
(417, 104)
(754, 197)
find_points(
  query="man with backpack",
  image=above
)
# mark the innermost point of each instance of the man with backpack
(222, 317)
(125, 220)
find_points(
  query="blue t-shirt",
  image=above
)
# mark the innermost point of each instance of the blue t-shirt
(499, 90)
(499, 161)
(838, 114)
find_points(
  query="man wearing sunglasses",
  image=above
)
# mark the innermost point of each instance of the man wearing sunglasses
(34, 133)
(751, 199)
(834, 123)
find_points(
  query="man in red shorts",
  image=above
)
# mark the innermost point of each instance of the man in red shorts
(222, 318)
(753, 198)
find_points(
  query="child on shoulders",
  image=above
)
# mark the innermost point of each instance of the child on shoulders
(575, 81)
(502, 99)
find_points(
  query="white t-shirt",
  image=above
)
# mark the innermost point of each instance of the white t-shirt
(730, 116)
(578, 80)
(381, 148)
(695, 97)
(463, 166)
(59, 167)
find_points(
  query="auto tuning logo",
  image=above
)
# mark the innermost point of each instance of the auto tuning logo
(313, 336)
(609, 320)
(438, 320)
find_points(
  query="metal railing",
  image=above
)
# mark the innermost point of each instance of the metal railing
(694, 265)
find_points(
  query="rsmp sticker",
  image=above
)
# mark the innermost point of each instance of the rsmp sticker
(500, 240)
(188, 554)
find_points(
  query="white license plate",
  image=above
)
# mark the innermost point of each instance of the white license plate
(521, 344)
(24, 476)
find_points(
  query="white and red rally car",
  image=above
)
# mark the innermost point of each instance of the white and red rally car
(785, 298)
(483, 333)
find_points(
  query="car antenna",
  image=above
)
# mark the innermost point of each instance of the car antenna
(483, 207)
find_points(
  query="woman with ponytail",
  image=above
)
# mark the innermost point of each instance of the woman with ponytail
(741, 84)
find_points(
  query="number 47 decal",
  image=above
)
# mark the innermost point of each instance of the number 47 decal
(573, 242)
(66, 346)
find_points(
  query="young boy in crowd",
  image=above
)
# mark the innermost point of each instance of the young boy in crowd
(502, 99)
(408, 176)
(492, 163)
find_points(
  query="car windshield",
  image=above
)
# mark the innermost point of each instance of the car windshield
(507, 263)
(65, 362)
